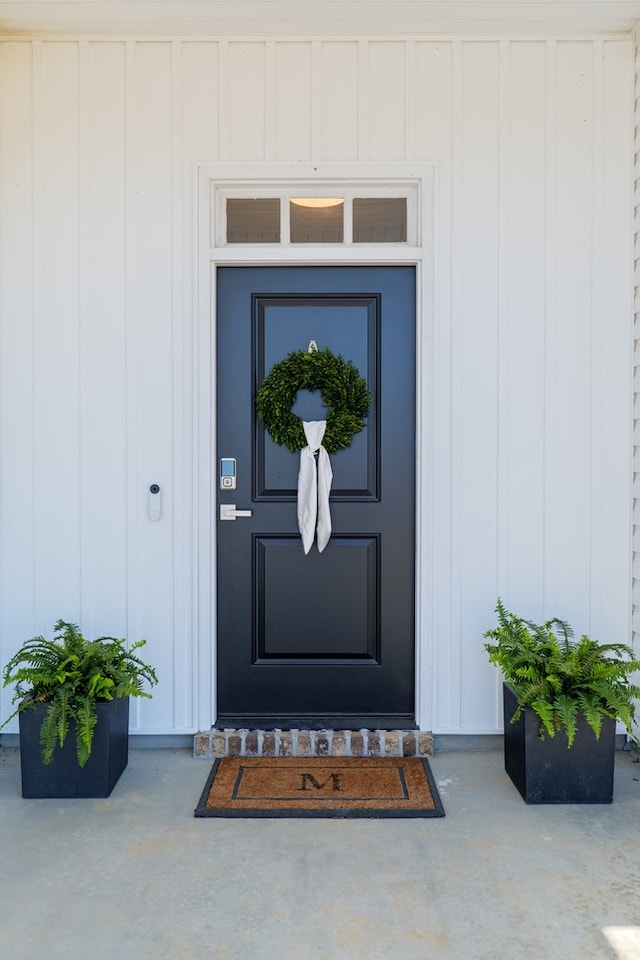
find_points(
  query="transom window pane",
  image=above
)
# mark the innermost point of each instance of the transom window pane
(380, 220)
(316, 220)
(253, 220)
(290, 219)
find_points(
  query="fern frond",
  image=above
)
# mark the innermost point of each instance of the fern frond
(547, 715)
(64, 714)
(591, 709)
(86, 719)
(49, 732)
(565, 630)
(565, 712)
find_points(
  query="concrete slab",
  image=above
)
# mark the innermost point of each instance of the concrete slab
(137, 877)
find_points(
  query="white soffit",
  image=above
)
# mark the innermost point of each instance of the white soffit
(327, 18)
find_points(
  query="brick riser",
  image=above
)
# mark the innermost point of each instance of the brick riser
(313, 743)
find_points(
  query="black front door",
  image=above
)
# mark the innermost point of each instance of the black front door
(323, 639)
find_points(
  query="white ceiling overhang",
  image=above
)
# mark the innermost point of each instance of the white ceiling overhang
(316, 17)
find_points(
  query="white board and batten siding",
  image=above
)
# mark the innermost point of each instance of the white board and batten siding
(526, 420)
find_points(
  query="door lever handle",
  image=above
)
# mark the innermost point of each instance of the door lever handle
(228, 512)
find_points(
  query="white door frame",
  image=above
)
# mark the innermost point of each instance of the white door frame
(209, 177)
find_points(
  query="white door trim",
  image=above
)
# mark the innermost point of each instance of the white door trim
(209, 176)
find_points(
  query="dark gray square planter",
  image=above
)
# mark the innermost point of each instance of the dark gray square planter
(63, 777)
(547, 771)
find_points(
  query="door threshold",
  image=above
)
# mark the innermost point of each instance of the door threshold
(312, 743)
(316, 721)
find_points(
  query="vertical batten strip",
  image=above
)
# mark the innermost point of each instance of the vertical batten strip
(635, 579)
(452, 655)
(435, 142)
(317, 152)
(39, 480)
(550, 305)
(503, 484)
(270, 106)
(3, 140)
(363, 100)
(87, 567)
(502, 488)
(56, 325)
(204, 361)
(133, 520)
(179, 513)
(596, 325)
(17, 473)
(410, 100)
(223, 100)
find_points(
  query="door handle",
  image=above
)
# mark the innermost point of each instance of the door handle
(228, 512)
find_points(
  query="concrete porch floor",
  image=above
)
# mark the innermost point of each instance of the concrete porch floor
(136, 877)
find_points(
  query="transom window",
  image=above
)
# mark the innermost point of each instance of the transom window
(304, 214)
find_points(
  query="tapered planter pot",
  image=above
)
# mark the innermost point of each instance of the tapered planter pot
(64, 777)
(548, 771)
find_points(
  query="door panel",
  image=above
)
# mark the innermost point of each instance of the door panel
(351, 322)
(323, 639)
(348, 576)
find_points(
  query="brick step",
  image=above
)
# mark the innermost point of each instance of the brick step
(312, 743)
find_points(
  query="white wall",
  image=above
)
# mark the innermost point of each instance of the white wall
(636, 353)
(530, 429)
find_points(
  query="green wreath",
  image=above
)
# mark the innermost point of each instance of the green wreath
(344, 392)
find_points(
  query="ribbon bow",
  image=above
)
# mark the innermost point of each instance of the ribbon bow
(314, 487)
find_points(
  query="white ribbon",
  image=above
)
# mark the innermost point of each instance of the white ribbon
(314, 487)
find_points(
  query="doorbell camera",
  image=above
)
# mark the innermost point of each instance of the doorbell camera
(155, 502)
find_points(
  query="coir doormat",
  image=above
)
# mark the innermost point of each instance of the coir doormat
(320, 787)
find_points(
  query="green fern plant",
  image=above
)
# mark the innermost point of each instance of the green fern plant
(560, 677)
(71, 673)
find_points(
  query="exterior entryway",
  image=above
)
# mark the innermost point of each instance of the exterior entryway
(326, 639)
(125, 160)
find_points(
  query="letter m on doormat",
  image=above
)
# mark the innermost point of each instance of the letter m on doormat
(308, 778)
